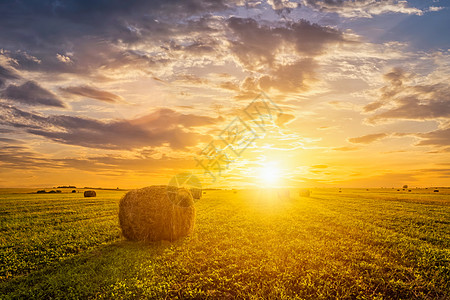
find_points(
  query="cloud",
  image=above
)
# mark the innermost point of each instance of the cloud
(319, 166)
(440, 138)
(7, 74)
(228, 85)
(20, 157)
(367, 139)
(283, 119)
(163, 126)
(345, 148)
(282, 4)
(251, 47)
(290, 78)
(405, 99)
(362, 8)
(435, 8)
(30, 93)
(98, 37)
(167, 118)
(63, 58)
(91, 92)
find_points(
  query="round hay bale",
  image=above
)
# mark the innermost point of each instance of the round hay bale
(304, 193)
(90, 194)
(157, 213)
(196, 193)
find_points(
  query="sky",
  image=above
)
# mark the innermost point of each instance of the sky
(131, 93)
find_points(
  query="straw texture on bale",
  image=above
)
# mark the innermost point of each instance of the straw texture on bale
(90, 194)
(196, 193)
(157, 213)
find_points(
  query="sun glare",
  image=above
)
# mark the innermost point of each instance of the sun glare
(270, 174)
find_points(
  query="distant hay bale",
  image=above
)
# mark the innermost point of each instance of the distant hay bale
(436, 191)
(196, 193)
(157, 213)
(90, 194)
(304, 193)
(74, 191)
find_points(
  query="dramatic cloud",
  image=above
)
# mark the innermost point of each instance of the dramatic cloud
(30, 93)
(155, 129)
(363, 8)
(281, 6)
(440, 138)
(250, 44)
(367, 139)
(290, 78)
(7, 74)
(96, 36)
(22, 158)
(410, 101)
(91, 92)
(174, 64)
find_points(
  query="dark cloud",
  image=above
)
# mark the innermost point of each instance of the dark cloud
(440, 138)
(367, 139)
(88, 56)
(251, 46)
(18, 157)
(7, 73)
(410, 101)
(91, 92)
(256, 45)
(117, 20)
(30, 93)
(10, 141)
(84, 37)
(290, 78)
(362, 8)
(123, 165)
(158, 128)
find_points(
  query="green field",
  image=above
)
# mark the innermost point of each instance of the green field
(354, 244)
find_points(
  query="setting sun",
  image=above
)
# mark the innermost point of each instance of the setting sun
(225, 149)
(270, 174)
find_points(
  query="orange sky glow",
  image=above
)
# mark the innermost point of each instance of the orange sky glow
(130, 96)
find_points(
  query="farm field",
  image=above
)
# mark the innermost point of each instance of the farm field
(353, 243)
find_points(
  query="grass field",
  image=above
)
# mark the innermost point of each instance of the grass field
(353, 244)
